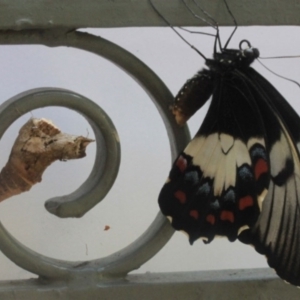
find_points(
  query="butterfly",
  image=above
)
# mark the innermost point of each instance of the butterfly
(239, 177)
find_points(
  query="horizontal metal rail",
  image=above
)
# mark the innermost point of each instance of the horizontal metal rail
(209, 285)
(53, 23)
(19, 14)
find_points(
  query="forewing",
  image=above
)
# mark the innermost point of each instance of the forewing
(278, 104)
(277, 231)
(216, 183)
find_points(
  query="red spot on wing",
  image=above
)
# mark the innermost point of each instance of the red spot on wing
(227, 215)
(181, 163)
(261, 167)
(211, 219)
(245, 202)
(180, 196)
(194, 214)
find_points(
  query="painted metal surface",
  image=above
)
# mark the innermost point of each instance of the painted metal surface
(209, 285)
(102, 176)
(18, 14)
(51, 23)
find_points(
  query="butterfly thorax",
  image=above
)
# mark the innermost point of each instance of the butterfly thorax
(230, 59)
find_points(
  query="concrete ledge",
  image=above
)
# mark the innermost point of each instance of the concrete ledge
(225, 284)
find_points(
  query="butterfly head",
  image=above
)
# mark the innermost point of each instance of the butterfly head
(248, 53)
(229, 59)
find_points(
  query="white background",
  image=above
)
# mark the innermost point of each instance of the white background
(131, 205)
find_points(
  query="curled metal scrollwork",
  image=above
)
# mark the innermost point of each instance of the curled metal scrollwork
(106, 165)
(94, 188)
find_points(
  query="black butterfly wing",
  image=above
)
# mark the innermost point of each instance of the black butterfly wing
(277, 231)
(278, 103)
(216, 184)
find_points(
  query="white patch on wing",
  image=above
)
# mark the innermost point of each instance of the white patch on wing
(298, 146)
(226, 142)
(254, 141)
(170, 219)
(185, 233)
(194, 146)
(261, 198)
(241, 153)
(218, 156)
(229, 162)
(241, 229)
(222, 170)
(275, 211)
(280, 152)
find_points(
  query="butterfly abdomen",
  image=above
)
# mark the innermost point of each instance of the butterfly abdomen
(192, 96)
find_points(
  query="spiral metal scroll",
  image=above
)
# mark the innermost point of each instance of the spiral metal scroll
(106, 165)
(102, 176)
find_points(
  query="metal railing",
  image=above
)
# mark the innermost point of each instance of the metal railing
(54, 25)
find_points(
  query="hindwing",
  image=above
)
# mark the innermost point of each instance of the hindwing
(240, 175)
(216, 184)
(277, 231)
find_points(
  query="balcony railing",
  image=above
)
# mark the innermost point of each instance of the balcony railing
(55, 24)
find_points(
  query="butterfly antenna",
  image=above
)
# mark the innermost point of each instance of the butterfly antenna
(273, 57)
(197, 16)
(172, 27)
(234, 21)
(218, 38)
(288, 79)
(212, 24)
(206, 13)
(198, 32)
